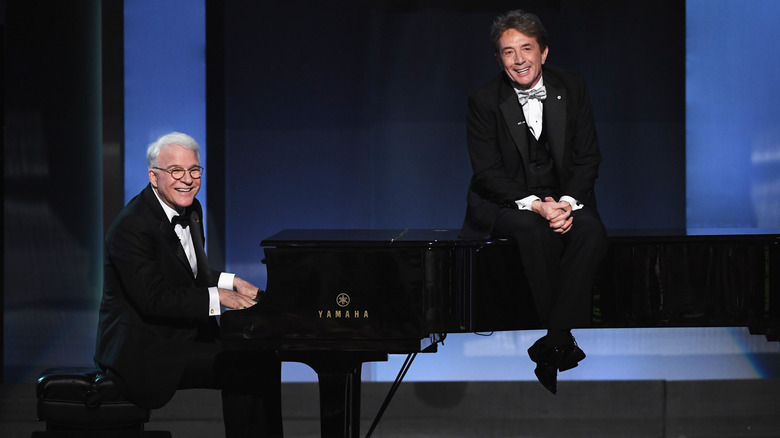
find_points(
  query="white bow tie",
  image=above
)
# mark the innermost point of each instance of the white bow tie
(537, 93)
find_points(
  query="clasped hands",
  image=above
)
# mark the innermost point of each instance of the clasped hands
(558, 214)
(243, 296)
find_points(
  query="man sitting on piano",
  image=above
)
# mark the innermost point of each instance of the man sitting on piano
(157, 330)
(535, 157)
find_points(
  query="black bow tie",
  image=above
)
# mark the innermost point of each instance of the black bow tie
(183, 220)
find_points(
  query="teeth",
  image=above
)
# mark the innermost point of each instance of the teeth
(184, 190)
(523, 70)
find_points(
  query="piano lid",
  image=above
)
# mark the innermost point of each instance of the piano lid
(442, 237)
(357, 238)
(763, 235)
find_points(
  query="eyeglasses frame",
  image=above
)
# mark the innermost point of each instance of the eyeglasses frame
(190, 170)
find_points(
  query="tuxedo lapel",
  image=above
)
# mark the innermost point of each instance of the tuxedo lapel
(166, 228)
(204, 271)
(555, 115)
(515, 122)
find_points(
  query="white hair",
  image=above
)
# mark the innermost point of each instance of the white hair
(172, 138)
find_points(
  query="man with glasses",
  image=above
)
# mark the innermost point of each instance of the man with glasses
(157, 330)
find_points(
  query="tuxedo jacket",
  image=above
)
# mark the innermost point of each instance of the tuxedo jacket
(153, 309)
(497, 138)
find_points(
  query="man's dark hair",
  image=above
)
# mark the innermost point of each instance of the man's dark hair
(523, 22)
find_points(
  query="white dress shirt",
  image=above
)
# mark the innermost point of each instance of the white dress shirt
(225, 280)
(533, 110)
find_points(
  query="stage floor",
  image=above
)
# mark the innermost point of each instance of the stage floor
(619, 409)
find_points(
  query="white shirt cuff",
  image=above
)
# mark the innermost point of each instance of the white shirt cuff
(573, 202)
(225, 281)
(525, 203)
(214, 309)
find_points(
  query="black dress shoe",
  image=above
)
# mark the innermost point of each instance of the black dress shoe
(570, 355)
(535, 350)
(547, 359)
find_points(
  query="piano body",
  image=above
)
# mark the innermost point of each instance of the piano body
(338, 298)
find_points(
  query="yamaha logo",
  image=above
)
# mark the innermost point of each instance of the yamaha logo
(342, 301)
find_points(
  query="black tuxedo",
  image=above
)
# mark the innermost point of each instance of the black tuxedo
(154, 331)
(153, 308)
(498, 145)
(560, 268)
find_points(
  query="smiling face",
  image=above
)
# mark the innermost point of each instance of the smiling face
(177, 194)
(521, 57)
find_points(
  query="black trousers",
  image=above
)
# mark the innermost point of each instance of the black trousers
(251, 387)
(560, 268)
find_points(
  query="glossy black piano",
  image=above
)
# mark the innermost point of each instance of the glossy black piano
(338, 298)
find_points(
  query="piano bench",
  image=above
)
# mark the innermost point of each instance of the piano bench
(84, 402)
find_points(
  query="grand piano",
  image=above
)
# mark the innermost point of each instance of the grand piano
(338, 298)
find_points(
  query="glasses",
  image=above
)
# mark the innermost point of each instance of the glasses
(177, 173)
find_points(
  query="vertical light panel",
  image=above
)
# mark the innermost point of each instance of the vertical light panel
(733, 139)
(165, 80)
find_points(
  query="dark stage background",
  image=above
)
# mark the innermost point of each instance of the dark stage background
(352, 114)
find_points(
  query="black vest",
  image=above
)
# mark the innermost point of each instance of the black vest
(541, 177)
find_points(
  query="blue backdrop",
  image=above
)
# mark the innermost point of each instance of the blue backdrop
(733, 135)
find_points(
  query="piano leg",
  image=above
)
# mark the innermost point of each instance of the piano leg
(340, 404)
(339, 374)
